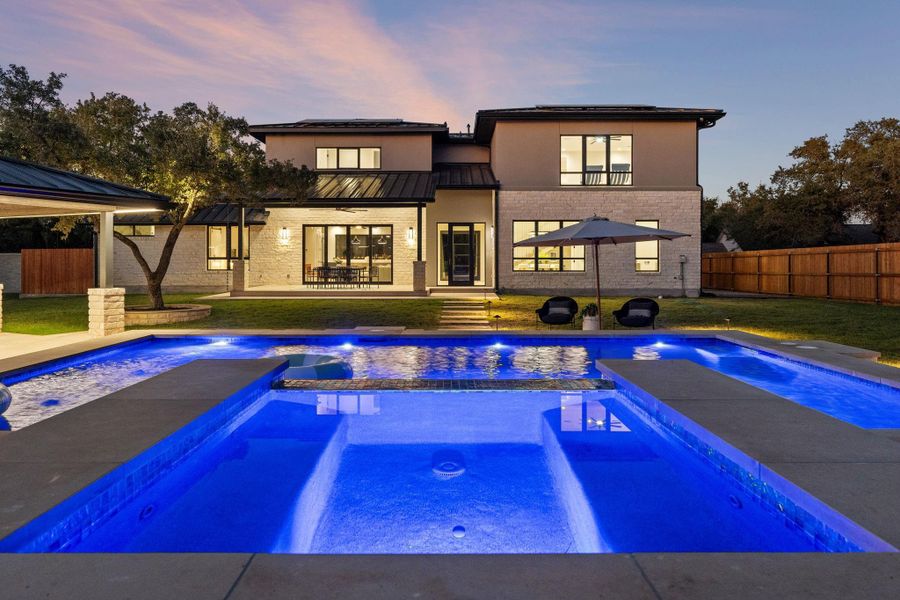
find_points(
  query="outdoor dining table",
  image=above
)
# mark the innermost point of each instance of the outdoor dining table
(340, 275)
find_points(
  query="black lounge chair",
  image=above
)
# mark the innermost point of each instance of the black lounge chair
(559, 310)
(638, 312)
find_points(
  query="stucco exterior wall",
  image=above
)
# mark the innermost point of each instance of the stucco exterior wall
(525, 155)
(461, 153)
(11, 272)
(459, 206)
(675, 210)
(399, 152)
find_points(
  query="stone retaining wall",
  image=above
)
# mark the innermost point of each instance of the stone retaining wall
(175, 313)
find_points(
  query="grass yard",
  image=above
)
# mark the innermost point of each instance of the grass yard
(863, 325)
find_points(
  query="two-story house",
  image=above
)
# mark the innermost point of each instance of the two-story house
(406, 208)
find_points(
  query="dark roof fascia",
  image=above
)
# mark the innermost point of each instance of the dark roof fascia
(438, 167)
(261, 131)
(380, 203)
(486, 120)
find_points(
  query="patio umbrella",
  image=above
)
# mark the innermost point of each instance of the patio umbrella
(598, 230)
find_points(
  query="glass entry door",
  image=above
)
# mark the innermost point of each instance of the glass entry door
(459, 250)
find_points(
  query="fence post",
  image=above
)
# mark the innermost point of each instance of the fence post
(790, 273)
(732, 271)
(758, 285)
(877, 278)
(828, 273)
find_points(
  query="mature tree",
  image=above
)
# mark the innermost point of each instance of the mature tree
(196, 156)
(710, 219)
(200, 156)
(871, 152)
(34, 122)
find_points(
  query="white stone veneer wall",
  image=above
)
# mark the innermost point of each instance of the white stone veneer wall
(273, 261)
(675, 210)
(11, 272)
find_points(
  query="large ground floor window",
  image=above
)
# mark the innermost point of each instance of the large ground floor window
(646, 254)
(558, 258)
(222, 246)
(367, 250)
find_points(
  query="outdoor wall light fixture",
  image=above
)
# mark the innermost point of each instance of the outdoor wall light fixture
(410, 236)
(284, 236)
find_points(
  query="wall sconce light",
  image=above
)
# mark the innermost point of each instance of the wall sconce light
(284, 236)
(410, 236)
(492, 232)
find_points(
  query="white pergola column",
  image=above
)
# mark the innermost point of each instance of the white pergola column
(1, 307)
(105, 251)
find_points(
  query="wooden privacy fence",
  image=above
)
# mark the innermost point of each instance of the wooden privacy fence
(864, 273)
(57, 271)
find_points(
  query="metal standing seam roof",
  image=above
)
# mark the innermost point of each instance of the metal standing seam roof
(465, 176)
(217, 214)
(27, 179)
(389, 187)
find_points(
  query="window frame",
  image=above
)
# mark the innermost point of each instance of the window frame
(347, 227)
(607, 172)
(337, 158)
(229, 261)
(638, 258)
(536, 258)
(134, 232)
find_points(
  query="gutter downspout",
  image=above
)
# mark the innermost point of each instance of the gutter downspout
(496, 242)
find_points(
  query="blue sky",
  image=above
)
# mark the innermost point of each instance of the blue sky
(783, 71)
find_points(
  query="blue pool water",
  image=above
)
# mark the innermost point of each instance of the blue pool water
(432, 472)
(39, 394)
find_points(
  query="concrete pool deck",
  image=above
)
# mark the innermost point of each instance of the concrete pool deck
(855, 471)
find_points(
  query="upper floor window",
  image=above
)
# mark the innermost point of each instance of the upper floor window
(595, 160)
(348, 158)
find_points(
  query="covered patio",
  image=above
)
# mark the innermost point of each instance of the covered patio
(29, 190)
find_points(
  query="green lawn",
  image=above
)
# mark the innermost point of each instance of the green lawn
(863, 325)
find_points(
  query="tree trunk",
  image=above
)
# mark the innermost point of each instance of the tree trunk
(155, 277)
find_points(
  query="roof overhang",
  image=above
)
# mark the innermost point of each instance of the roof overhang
(486, 120)
(24, 206)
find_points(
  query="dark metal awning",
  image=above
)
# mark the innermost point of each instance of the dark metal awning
(369, 188)
(465, 176)
(217, 214)
(23, 179)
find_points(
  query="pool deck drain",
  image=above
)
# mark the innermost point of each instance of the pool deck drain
(446, 384)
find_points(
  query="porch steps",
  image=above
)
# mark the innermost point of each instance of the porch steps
(464, 315)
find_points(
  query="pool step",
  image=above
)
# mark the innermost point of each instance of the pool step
(464, 314)
(446, 384)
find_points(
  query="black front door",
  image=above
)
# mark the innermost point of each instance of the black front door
(461, 253)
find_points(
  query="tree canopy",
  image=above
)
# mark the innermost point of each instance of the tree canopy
(195, 155)
(808, 202)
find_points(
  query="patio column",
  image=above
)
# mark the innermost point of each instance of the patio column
(105, 251)
(239, 271)
(106, 311)
(1, 307)
(419, 264)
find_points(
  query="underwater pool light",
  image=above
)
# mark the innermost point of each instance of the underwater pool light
(347, 346)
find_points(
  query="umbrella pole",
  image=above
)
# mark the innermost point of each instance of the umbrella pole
(597, 283)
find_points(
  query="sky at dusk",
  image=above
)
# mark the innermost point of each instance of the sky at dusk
(783, 70)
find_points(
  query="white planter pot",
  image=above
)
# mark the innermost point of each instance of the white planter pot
(590, 323)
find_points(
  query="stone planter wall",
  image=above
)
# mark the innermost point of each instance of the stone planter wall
(175, 313)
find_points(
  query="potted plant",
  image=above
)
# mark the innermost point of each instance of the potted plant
(590, 318)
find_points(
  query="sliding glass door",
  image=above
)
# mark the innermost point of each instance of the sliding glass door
(366, 249)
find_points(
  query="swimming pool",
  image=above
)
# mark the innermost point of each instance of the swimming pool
(59, 386)
(434, 472)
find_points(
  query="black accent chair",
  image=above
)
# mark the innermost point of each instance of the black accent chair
(638, 312)
(559, 310)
